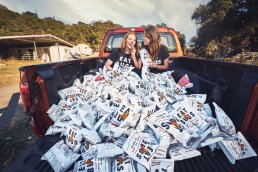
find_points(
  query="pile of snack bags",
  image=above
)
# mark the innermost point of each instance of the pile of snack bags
(117, 121)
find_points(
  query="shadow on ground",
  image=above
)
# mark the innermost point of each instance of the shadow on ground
(15, 134)
(8, 112)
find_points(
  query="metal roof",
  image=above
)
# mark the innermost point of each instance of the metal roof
(46, 39)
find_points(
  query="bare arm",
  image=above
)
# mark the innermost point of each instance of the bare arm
(137, 62)
(108, 64)
(165, 66)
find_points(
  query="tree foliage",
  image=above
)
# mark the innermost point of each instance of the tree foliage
(226, 27)
(28, 23)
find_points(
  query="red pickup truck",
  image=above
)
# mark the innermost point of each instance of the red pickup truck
(236, 85)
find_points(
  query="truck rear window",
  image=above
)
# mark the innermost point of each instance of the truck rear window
(115, 40)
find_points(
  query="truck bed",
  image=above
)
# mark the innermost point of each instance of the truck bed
(232, 86)
(209, 161)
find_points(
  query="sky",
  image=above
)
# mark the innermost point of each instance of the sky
(128, 13)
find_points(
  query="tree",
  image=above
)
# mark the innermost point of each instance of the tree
(230, 24)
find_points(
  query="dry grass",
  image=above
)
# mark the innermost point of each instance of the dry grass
(9, 70)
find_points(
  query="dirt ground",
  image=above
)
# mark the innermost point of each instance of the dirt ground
(15, 134)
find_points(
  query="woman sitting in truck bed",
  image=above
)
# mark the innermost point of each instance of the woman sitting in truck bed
(127, 55)
(153, 54)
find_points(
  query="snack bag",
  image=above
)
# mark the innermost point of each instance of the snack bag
(165, 165)
(160, 99)
(107, 131)
(164, 139)
(189, 118)
(88, 115)
(237, 148)
(177, 152)
(120, 140)
(67, 91)
(89, 151)
(73, 138)
(60, 157)
(54, 112)
(146, 61)
(140, 147)
(94, 164)
(171, 125)
(123, 112)
(68, 107)
(184, 81)
(122, 163)
(91, 136)
(224, 122)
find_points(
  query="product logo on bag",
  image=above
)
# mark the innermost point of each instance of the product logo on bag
(184, 115)
(71, 137)
(199, 106)
(145, 151)
(122, 114)
(121, 161)
(86, 165)
(172, 122)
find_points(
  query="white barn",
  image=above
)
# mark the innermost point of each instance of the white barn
(47, 48)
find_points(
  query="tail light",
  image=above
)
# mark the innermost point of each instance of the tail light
(25, 96)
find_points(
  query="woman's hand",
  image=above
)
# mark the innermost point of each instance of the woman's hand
(133, 52)
(153, 65)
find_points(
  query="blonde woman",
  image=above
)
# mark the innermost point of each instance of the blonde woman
(154, 55)
(127, 55)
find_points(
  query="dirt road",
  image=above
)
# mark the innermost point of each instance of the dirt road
(15, 134)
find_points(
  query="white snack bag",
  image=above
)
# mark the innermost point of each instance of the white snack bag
(177, 152)
(160, 99)
(171, 125)
(140, 147)
(167, 76)
(146, 61)
(122, 163)
(207, 109)
(91, 136)
(93, 165)
(237, 148)
(100, 150)
(54, 112)
(101, 120)
(52, 130)
(224, 122)
(123, 112)
(76, 119)
(76, 82)
(169, 95)
(68, 107)
(107, 131)
(60, 157)
(89, 151)
(149, 108)
(186, 114)
(198, 97)
(88, 115)
(73, 137)
(164, 165)
(120, 141)
(164, 139)
(108, 150)
(67, 91)
(87, 79)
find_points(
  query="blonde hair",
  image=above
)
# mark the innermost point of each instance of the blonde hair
(152, 33)
(123, 45)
